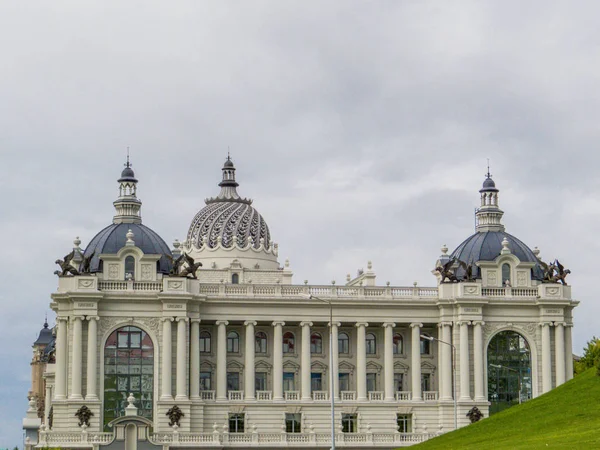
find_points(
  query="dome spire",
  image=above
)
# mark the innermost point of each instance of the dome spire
(228, 186)
(127, 205)
(489, 215)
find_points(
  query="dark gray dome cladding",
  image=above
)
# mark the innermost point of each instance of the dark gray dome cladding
(486, 246)
(112, 239)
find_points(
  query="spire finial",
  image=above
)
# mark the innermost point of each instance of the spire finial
(128, 164)
(488, 174)
(46, 321)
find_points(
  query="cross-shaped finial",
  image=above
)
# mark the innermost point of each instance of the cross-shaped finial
(488, 174)
(128, 164)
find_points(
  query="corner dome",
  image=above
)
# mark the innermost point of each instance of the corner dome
(45, 336)
(113, 238)
(487, 245)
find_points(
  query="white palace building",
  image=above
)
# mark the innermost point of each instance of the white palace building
(149, 350)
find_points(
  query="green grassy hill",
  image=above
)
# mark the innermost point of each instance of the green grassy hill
(567, 417)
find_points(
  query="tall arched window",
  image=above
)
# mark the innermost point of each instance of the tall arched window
(371, 344)
(289, 342)
(233, 342)
(316, 343)
(205, 342)
(398, 344)
(343, 343)
(128, 368)
(260, 342)
(130, 268)
(506, 274)
(235, 279)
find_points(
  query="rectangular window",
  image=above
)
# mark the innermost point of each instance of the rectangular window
(404, 422)
(399, 381)
(425, 382)
(123, 339)
(344, 381)
(135, 340)
(349, 423)
(236, 423)
(260, 381)
(293, 423)
(316, 382)
(371, 382)
(205, 381)
(425, 347)
(233, 381)
(288, 381)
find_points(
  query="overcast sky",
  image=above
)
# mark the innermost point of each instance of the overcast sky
(360, 129)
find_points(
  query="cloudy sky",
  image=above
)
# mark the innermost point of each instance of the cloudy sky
(361, 130)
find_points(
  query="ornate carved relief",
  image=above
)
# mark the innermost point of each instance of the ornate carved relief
(521, 279)
(491, 278)
(146, 272)
(85, 284)
(113, 271)
(150, 323)
(528, 328)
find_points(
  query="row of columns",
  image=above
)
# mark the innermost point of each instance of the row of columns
(562, 341)
(181, 358)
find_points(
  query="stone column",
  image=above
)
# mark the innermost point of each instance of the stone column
(465, 371)
(182, 371)
(92, 358)
(305, 360)
(546, 358)
(60, 390)
(195, 359)
(415, 360)
(445, 366)
(222, 360)
(361, 361)
(167, 360)
(449, 363)
(278, 360)
(478, 360)
(249, 384)
(559, 352)
(568, 352)
(77, 362)
(388, 361)
(336, 365)
(47, 404)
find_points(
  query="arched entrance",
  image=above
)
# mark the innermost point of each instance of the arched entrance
(128, 368)
(509, 370)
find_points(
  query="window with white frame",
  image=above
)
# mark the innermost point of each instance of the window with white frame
(205, 342)
(236, 422)
(233, 342)
(130, 268)
(404, 423)
(349, 423)
(371, 344)
(293, 423)
(343, 343)
(260, 342)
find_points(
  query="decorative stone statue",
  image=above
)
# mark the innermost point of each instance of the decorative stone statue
(85, 265)
(468, 270)
(474, 414)
(84, 415)
(191, 267)
(66, 267)
(176, 265)
(562, 273)
(175, 414)
(446, 272)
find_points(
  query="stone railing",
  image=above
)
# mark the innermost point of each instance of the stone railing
(403, 396)
(263, 395)
(77, 439)
(291, 395)
(320, 395)
(430, 396)
(348, 395)
(376, 396)
(107, 285)
(207, 395)
(235, 395)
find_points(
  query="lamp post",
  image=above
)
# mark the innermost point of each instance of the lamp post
(500, 366)
(331, 380)
(431, 338)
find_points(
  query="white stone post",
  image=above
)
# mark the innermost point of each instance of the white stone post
(361, 361)
(305, 360)
(77, 362)
(222, 360)
(445, 361)
(181, 393)
(92, 358)
(335, 358)
(60, 389)
(167, 359)
(249, 385)
(559, 352)
(569, 352)
(465, 372)
(47, 404)
(415, 360)
(278, 360)
(478, 360)
(195, 359)
(388, 360)
(546, 358)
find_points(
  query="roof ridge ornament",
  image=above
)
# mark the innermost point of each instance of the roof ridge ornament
(228, 186)
(488, 217)
(128, 206)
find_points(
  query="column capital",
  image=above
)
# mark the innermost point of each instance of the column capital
(62, 319)
(444, 324)
(90, 318)
(166, 319)
(568, 325)
(306, 324)
(335, 324)
(184, 319)
(361, 324)
(250, 322)
(78, 317)
(556, 324)
(463, 322)
(388, 324)
(195, 320)
(478, 322)
(545, 324)
(416, 325)
(222, 322)
(278, 322)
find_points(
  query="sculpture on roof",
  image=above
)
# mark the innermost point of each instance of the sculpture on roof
(65, 266)
(561, 272)
(468, 270)
(86, 264)
(554, 272)
(191, 267)
(176, 264)
(446, 272)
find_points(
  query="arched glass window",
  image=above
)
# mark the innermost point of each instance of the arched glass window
(371, 344)
(289, 342)
(343, 343)
(316, 343)
(205, 342)
(506, 274)
(233, 342)
(398, 344)
(260, 342)
(130, 268)
(128, 368)
(235, 279)
(509, 359)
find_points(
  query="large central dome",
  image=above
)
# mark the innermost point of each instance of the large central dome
(229, 227)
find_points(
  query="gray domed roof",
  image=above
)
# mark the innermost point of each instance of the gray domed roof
(45, 336)
(112, 239)
(486, 246)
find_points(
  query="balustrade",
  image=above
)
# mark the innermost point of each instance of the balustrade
(348, 395)
(291, 395)
(207, 395)
(264, 395)
(235, 395)
(403, 396)
(376, 396)
(429, 396)
(320, 395)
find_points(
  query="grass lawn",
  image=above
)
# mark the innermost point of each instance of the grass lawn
(567, 417)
